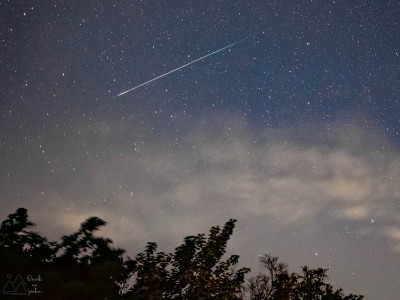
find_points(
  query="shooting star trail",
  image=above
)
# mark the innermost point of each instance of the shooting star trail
(181, 67)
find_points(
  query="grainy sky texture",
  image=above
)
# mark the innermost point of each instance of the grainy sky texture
(293, 131)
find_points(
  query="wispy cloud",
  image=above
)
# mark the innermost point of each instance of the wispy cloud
(222, 169)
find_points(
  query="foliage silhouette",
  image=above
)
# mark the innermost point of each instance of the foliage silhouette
(81, 266)
(84, 266)
(280, 285)
(195, 271)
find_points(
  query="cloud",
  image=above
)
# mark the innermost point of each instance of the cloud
(226, 170)
(155, 189)
(393, 233)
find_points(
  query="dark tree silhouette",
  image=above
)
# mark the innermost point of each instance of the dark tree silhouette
(195, 271)
(279, 284)
(20, 247)
(90, 266)
(85, 266)
(81, 266)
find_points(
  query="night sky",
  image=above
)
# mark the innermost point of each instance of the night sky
(294, 131)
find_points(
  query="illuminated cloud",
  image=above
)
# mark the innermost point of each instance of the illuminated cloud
(226, 172)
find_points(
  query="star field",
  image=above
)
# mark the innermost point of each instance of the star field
(295, 131)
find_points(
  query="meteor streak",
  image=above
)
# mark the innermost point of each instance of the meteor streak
(181, 67)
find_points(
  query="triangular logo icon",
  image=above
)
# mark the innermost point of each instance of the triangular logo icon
(17, 287)
(9, 288)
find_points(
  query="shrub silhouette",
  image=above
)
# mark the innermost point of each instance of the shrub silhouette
(84, 266)
(279, 284)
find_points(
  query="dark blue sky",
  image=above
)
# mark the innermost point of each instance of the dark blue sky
(294, 131)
